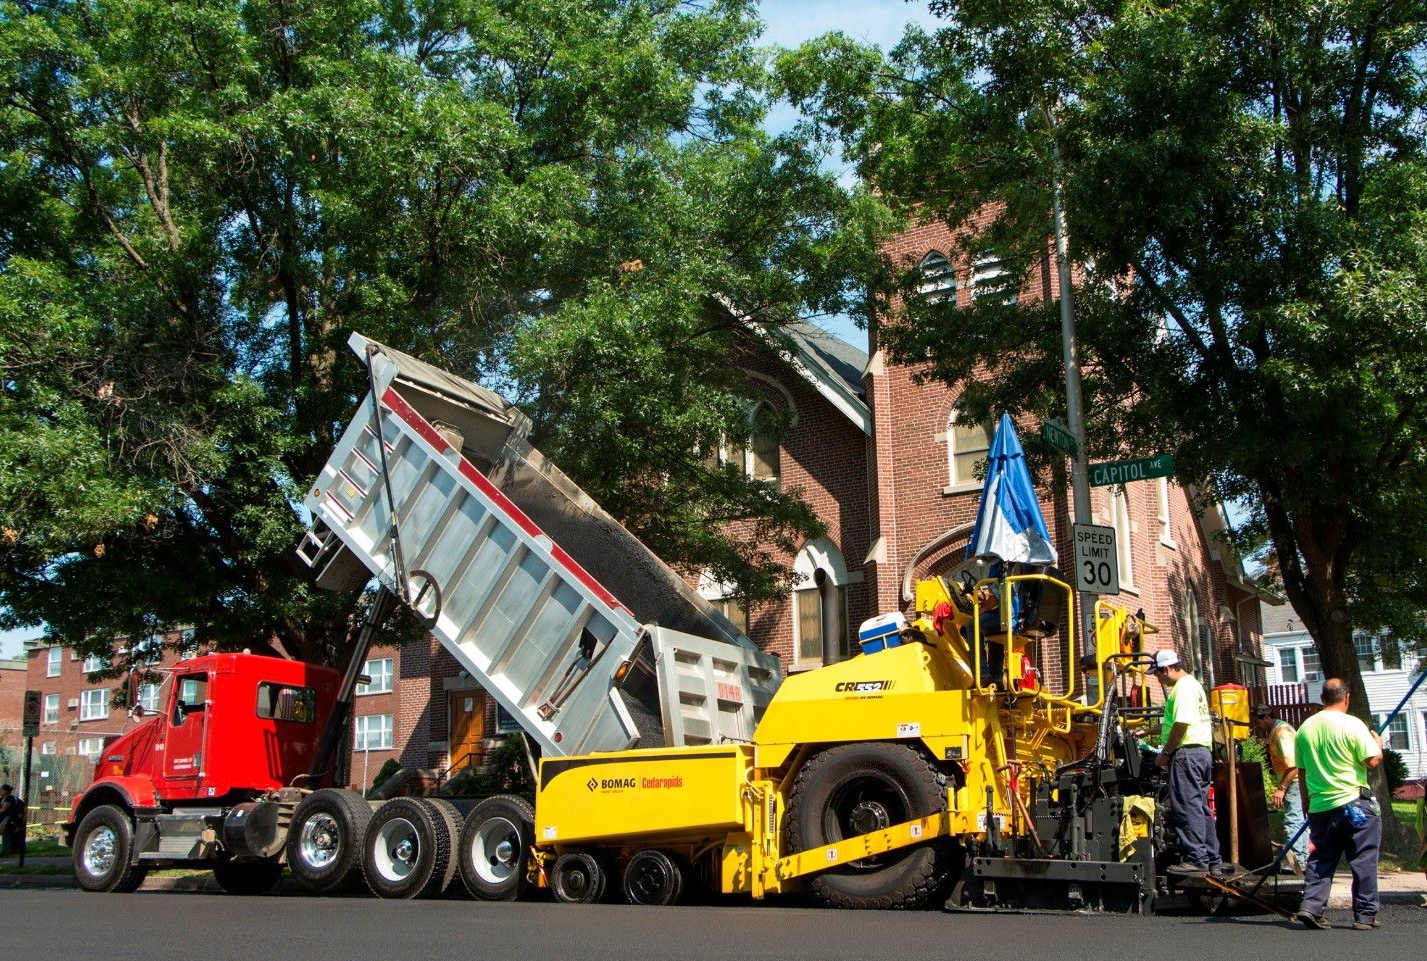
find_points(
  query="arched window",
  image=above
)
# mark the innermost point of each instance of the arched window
(723, 598)
(759, 454)
(938, 279)
(1191, 633)
(967, 446)
(991, 279)
(821, 633)
(1120, 520)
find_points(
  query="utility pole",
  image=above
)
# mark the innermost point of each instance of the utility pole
(1074, 411)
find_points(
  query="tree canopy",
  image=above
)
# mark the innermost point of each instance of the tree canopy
(199, 199)
(1246, 192)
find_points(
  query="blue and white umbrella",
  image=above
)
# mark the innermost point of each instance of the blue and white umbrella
(1009, 521)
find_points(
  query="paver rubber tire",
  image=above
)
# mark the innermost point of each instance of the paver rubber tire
(653, 877)
(579, 877)
(407, 850)
(324, 841)
(854, 789)
(494, 850)
(247, 878)
(103, 848)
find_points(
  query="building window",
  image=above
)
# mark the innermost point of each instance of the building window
(735, 609)
(938, 280)
(821, 632)
(53, 663)
(93, 704)
(373, 732)
(1391, 653)
(380, 671)
(968, 445)
(1166, 535)
(1396, 736)
(90, 747)
(991, 280)
(51, 708)
(1288, 665)
(1191, 633)
(1312, 666)
(1366, 647)
(149, 698)
(93, 664)
(148, 651)
(47, 747)
(1120, 520)
(757, 455)
(187, 644)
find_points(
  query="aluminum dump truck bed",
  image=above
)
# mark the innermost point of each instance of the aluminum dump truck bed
(537, 592)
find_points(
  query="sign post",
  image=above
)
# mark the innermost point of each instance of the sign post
(1097, 567)
(1124, 471)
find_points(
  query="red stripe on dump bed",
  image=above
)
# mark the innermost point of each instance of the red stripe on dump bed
(407, 413)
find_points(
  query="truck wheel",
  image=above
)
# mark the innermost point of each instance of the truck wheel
(495, 848)
(653, 877)
(855, 789)
(578, 877)
(103, 848)
(324, 841)
(407, 850)
(247, 878)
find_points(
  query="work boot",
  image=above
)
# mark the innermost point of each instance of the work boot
(1185, 869)
(1312, 922)
(1366, 924)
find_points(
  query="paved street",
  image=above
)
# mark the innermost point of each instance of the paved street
(73, 926)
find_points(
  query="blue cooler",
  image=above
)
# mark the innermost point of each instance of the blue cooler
(881, 632)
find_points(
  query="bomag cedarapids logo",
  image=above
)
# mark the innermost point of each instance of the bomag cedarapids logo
(627, 783)
(862, 687)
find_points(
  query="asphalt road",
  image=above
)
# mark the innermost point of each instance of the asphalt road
(73, 926)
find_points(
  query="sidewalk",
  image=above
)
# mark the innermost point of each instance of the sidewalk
(1394, 887)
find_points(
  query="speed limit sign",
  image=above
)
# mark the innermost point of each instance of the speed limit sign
(1097, 564)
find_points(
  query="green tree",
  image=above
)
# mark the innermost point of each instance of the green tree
(199, 199)
(1246, 191)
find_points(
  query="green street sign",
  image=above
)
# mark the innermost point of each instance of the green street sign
(1057, 435)
(1124, 471)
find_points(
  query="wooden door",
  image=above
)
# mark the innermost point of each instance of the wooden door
(468, 728)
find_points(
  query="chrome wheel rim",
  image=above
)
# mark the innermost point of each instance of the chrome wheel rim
(320, 840)
(100, 851)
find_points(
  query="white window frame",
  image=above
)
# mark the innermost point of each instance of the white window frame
(89, 742)
(94, 704)
(48, 748)
(1389, 738)
(148, 698)
(95, 663)
(51, 708)
(1124, 531)
(938, 279)
(364, 738)
(382, 671)
(954, 481)
(1373, 665)
(1292, 656)
(53, 663)
(1166, 532)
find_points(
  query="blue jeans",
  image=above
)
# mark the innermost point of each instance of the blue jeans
(1334, 835)
(1191, 770)
(1292, 821)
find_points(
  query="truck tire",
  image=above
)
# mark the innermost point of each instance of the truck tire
(495, 848)
(247, 878)
(653, 877)
(450, 816)
(855, 789)
(103, 850)
(578, 877)
(324, 841)
(407, 850)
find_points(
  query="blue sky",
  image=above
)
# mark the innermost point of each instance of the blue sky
(788, 23)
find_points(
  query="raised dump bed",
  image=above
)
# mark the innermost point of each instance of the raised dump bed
(537, 592)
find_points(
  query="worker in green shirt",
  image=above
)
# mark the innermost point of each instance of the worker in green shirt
(1186, 753)
(1334, 751)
